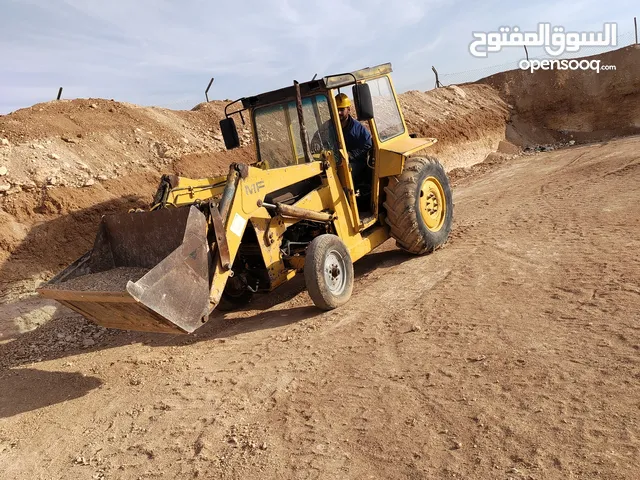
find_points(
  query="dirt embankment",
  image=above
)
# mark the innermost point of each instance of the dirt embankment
(562, 105)
(469, 121)
(80, 142)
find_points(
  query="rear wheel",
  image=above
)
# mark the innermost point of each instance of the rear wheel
(328, 272)
(419, 206)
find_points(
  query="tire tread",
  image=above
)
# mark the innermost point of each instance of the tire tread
(404, 220)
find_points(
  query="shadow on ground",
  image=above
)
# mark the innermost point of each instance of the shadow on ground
(27, 389)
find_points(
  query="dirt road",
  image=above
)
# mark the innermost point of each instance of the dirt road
(514, 352)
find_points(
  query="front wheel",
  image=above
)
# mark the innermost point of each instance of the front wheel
(419, 206)
(236, 295)
(328, 272)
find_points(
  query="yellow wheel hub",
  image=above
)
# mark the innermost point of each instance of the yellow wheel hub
(433, 205)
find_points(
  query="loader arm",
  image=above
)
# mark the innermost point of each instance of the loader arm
(253, 185)
(177, 191)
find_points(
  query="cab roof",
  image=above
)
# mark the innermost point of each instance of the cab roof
(315, 86)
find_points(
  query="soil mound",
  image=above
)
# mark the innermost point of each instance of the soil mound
(559, 105)
(469, 121)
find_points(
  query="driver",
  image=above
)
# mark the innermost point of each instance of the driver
(356, 137)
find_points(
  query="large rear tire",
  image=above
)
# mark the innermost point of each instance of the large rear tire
(328, 272)
(419, 206)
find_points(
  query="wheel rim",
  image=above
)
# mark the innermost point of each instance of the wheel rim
(433, 205)
(335, 272)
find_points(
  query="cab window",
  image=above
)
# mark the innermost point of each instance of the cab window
(278, 129)
(386, 113)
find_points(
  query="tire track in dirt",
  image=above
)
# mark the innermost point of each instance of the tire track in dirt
(511, 352)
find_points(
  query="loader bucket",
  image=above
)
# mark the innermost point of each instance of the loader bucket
(147, 271)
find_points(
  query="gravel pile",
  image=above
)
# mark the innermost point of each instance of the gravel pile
(114, 280)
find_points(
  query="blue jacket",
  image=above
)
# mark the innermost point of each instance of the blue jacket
(357, 138)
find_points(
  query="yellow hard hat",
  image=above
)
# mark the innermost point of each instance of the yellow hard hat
(342, 100)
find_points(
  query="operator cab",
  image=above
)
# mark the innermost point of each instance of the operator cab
(280, 141)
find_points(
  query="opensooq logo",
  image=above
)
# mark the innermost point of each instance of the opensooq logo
(554, 39)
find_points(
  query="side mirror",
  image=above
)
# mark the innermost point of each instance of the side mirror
(364, 103)
(229, 133)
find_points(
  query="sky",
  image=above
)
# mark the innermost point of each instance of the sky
(163, 53)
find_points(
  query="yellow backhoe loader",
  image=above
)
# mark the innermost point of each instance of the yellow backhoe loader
(214, 242)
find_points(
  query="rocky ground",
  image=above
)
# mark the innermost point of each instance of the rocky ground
(511, 353)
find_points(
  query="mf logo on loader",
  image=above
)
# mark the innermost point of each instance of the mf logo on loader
(255, 188)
